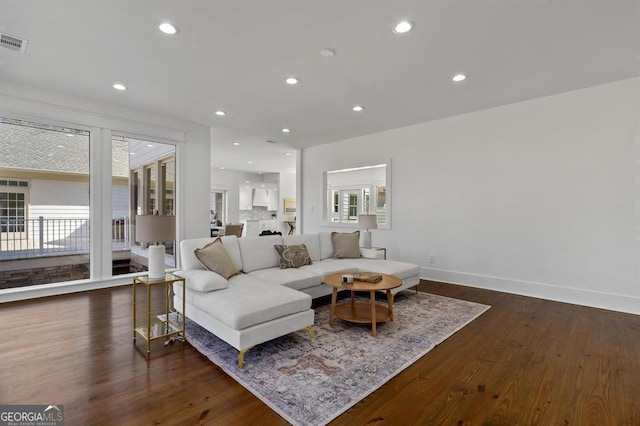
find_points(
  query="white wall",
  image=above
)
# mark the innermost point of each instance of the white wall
(540, 198)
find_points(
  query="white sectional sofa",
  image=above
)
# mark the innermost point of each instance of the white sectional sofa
(263, 301)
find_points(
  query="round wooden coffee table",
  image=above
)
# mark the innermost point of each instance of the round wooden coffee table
(360, 312)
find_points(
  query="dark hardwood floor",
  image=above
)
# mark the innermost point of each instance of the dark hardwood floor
(525, 361)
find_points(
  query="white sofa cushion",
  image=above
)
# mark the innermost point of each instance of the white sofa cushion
(248, 301)
(371, 253)
(326, 246)
(295, 278)
(311, 241)
(202, 280)
(230, 243)
(401, 270)
(329, 266)
(258, 252)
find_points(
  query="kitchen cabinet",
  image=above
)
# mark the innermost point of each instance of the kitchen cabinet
(246, 198)
(273, 200)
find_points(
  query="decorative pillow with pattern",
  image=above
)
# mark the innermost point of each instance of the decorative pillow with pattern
(215, 258)
(293, 256)
(346, 245)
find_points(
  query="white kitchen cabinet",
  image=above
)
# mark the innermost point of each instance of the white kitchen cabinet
(246, 198)
(273, 200)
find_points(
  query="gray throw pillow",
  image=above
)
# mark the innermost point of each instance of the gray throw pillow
(215, 258)
(346, 245)
(293, 256)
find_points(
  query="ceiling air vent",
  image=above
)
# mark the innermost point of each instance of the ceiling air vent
(13, 43)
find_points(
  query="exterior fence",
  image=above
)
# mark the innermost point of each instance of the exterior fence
(55, 237)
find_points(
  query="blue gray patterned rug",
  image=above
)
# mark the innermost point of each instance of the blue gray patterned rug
(313, 382)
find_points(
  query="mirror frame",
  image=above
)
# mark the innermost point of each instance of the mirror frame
(326, 196)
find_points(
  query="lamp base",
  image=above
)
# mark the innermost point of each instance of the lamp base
(366, 239)
(156, 261)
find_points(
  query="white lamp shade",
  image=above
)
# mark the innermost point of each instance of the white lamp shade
(367, 221)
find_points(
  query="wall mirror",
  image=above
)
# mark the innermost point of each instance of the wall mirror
(358, 190)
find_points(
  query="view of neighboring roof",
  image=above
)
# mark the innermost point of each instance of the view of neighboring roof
(27, 145)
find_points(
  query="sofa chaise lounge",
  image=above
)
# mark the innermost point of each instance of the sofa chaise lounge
(264, 301)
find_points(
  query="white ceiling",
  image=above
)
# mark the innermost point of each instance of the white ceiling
(234, 55)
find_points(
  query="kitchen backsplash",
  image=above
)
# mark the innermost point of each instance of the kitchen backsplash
(260, 213)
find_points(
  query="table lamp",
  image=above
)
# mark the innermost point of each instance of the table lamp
(155, 228)
(367, 221)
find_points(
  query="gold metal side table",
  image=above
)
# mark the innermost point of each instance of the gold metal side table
(159, 328)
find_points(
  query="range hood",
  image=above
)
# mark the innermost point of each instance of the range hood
(260, 197)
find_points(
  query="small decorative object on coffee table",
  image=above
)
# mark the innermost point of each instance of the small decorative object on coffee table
(164, 328)
(368, 277)
(360, 312)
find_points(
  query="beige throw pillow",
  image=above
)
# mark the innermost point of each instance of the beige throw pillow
(293, 256)
(215, 258)
(346, 245)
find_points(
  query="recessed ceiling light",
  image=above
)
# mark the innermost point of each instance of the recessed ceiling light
(247, 181)
(358, 108)
(403, 27)
(168, 28)
(459, 77)
(285, 130)
(250, 162)
(327, 53)
(262, 186)
(221, 168)
(236, 144)
(221, 113)
(70, 135)
(133, 153)
(119, 86)
(150, 145)
(287, 153)
(292, 80)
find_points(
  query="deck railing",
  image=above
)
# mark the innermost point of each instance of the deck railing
(53, 237)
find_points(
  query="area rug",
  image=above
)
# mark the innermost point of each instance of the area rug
(313, 382)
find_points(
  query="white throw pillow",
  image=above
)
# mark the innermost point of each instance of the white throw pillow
(203, 281)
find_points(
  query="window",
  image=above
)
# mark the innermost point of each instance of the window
(12, 205)
(144, 178)
(44, 202)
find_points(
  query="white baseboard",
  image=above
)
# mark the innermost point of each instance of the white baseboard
(55, 289)
(610, 301)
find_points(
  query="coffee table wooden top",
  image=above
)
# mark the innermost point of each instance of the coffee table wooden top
(387, 283)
